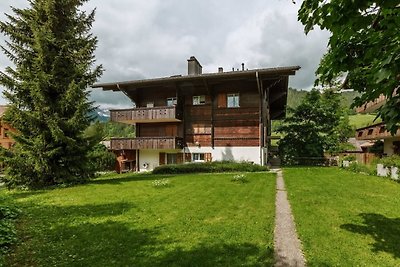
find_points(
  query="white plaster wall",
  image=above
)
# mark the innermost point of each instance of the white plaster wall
(152, 158)
(388, 145)
(229, 153)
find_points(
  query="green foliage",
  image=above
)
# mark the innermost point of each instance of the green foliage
(101, 159)
(361, 168)
(207, 167)
(52, 49)
(8, 214)
(109, 129)
(318, 124)
(365, 45)
(392, 161)
(349, 158)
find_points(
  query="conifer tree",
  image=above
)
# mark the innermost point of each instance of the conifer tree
(52, 51)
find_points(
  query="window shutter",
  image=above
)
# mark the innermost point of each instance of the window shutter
(188, 157)
(222, 100)
(179, 158)
(162, 158)
(207, 157)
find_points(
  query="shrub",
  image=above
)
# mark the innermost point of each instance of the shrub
(216, 166)
(8, 214)
(101, 159)
(349, 158)
(361, 168)
(392, 161)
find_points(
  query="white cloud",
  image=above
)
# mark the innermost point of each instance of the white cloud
(153, 38)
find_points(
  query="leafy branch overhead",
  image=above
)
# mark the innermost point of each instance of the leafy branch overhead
(364, 47)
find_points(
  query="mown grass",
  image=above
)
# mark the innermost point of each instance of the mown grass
(363, 120)
(345, 219)
(196, 220)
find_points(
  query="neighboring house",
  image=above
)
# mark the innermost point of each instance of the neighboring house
(391, 143)
(200, 117)
(5, 140)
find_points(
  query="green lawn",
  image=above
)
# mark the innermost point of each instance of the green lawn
(199, 220)
(345, 219)
(362, 120)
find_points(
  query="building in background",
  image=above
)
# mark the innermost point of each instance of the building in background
(200, 117)
(5, 140)
(391, 143)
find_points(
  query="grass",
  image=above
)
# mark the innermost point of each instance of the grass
(197, 220)
(362, 120)
(345, 219)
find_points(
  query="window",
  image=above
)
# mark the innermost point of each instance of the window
(233, 100)
(5, 133)
(171, 101)
(199, 100)
(198, 157)
(171, 158)
(150, 105)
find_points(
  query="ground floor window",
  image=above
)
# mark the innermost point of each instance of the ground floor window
(171, 158)
(198, 157)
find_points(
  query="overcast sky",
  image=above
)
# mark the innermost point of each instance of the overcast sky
(154, 38)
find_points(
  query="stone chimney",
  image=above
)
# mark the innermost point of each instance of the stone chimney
(194, 67)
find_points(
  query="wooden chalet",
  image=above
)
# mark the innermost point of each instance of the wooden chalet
(391, 143)
(200, 117)
(5, 140)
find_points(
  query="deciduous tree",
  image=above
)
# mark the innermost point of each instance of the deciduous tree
(364, 46)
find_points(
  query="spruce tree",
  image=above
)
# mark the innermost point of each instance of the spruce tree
(52, 51)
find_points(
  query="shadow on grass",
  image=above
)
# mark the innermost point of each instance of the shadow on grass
(385, 231)
(92, 235)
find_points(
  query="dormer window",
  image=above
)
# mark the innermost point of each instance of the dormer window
(171, 101)
(199, 100)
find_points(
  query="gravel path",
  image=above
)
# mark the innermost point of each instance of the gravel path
(287, 245)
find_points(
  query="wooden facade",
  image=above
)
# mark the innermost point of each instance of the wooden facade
(375, 132)
(5, 139)
(225, 109)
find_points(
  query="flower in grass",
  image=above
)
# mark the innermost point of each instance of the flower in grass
(161, 182)
(239, 178)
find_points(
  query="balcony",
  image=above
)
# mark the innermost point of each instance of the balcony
(146, 115)
(373, 132)
(372, 106)
(146, 143)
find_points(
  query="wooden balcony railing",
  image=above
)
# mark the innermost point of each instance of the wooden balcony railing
(147, 143)
(373, 132)
(146, 115)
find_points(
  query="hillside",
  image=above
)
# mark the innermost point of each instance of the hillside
(295, 97)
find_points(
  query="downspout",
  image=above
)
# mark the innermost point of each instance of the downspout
(260, 124)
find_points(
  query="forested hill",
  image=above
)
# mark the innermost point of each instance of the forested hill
(295, 97)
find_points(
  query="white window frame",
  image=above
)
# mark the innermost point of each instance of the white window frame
(235, 103)
(150, 105)
(171, 101)
(199, 100)
(197, 157)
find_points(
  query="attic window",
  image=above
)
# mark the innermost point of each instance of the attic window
(232, 100)
(199, 100)
(382, 129)
(360, 133)
(370, 131)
